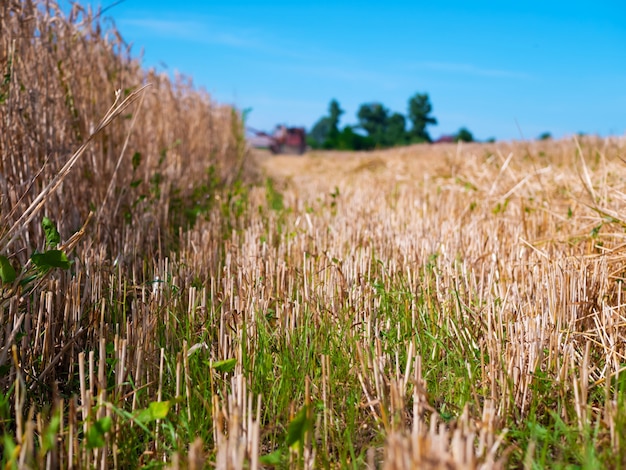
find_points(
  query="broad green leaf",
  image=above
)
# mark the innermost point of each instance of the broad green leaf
(274, 459)
(7, 272)
(298, 427)
(159, 409)
(11, 451)
(52, 235)
(156, 410)
(227, 365)
(50, 433)
(95, 435)
(50, 259)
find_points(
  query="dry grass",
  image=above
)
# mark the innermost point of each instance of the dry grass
(524, 246)
(119, 182)
(432, 306)
(61, 75)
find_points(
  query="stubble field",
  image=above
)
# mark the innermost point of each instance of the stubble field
(477, 286)
(173, 299)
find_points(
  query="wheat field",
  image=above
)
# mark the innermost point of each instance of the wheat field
(174, 299)
(483, 284)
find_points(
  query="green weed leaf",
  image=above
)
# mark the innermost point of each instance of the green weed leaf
(156, 410)
(95, 435)
(274, 198)
(136, 160)
(7, 272)
(275, 458)
(50, 433)
(298, 428)
(159, 409)
(28, 279)
(11, 452)
(227, 365)
(53, 238)
(596, 230)
(50, 259)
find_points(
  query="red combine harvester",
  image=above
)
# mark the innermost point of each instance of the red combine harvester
(291, 140)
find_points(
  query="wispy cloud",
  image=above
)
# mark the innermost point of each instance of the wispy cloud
(211, 31)
(202, 31)
(469, 69)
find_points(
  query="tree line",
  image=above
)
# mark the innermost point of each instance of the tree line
(377, 127)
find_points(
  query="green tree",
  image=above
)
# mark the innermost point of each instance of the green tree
(319, 132)
(334, 114)
(350, 140)
(419, 115)
(373, 120)
(463, 135)
(325, 132)
(383, 128)
(396, 130)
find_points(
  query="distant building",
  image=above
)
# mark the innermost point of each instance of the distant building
(445, 139)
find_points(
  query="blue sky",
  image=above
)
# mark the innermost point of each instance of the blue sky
(503, 69)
